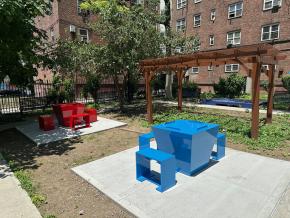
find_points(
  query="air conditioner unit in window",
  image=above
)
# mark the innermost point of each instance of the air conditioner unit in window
(276, 6)
(72, 29)
(277, 3)
(230, 45)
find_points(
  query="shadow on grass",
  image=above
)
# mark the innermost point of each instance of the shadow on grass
(22, 152)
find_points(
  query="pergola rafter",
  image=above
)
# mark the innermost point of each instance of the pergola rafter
(256, 55)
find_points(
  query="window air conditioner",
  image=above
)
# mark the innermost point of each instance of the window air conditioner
(72, 29)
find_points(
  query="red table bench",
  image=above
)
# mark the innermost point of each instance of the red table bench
(75, 120)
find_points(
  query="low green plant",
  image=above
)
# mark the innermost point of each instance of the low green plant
(206, 95)
(237, 128)
(26, 183)
(286, 82)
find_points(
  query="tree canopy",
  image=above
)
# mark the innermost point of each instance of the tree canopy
(128, 33)
(21, 43)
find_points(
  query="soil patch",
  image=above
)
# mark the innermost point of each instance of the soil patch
(50, 169)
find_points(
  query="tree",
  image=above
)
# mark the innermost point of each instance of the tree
(129, 34)
(92, 86)
(22, 47)
(175, 40)
(73, 60)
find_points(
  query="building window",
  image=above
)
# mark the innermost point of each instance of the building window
(179, 50)
(235, 10)
(181, 4)
(212, 15)
(234, 38)
(270, 32)
(195, 70)
(269, 4)
(232, 68)
(180, 25)
(211, 40)
(196, 20)
(84, 35)
(197, 1)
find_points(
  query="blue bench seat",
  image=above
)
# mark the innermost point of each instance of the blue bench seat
(167, 167)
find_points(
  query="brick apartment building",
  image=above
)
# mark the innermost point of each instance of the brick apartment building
(66, 21)
(219, 23)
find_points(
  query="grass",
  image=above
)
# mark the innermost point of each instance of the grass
(26, 183)
(263, 96)
(237, 128)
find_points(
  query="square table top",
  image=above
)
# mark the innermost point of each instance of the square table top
(188, 127)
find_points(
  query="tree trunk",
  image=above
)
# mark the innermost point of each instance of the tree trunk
(168, 85)
(119, 93)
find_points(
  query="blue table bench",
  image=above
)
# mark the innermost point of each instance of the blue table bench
(167, 167)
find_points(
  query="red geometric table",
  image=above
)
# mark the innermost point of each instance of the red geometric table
(46, 122)
(75, 118)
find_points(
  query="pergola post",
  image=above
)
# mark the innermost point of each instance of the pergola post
(149, 96)
(271, 76)
(179, 78)
(255, 99)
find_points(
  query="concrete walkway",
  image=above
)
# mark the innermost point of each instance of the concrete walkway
(14, 201)
(241, 185)
(189, 104)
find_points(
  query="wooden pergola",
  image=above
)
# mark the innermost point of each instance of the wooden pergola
(253, 55)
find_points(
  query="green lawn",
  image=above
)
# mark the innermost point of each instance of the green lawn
(237, 128)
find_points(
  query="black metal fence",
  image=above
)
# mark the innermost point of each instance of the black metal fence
(14, 100)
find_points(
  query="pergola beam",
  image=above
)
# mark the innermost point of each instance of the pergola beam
(256, 54)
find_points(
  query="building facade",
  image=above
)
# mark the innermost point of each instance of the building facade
(66, 21)
(228, 23)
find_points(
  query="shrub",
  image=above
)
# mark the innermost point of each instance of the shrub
(206, 95)
(191, 86)
(286, 82)
(264, 84)
(231, 87)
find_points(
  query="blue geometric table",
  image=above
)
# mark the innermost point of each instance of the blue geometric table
(184, 146)
(191, 142)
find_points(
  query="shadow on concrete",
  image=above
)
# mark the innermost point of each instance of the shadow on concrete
(22, 152)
